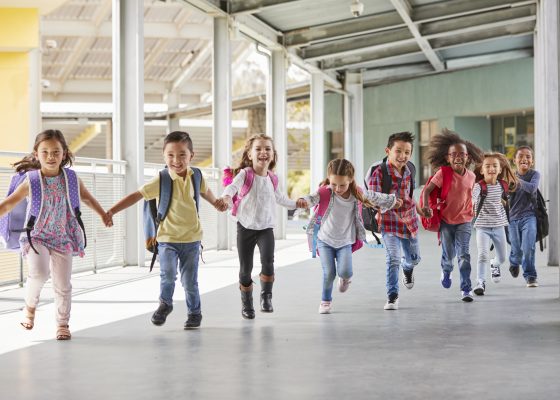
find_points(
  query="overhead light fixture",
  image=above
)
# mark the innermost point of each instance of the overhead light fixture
(356, 8)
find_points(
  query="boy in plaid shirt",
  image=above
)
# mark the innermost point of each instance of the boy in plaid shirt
(399, 226)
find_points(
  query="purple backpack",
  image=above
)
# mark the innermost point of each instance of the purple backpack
(23, 216)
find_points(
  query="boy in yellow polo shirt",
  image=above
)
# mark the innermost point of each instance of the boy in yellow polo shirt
(180, 233)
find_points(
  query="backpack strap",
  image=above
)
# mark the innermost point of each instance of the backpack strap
(73, 197)
(386, 179)
(165, 194)
(505, 197)
(412, 170)
(447, 175)
(274, 178)
(196, 179)
(325, 194)
(36, 205)
(483, 194)
(160, 212)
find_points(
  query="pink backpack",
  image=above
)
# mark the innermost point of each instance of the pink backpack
(247, 184)
(319, 211)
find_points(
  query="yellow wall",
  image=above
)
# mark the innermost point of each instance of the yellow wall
(19, 29)
(19, 33)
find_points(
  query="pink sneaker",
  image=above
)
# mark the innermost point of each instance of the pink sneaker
(325, 307)
(343, 284)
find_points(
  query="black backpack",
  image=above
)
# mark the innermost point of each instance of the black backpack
(369, 215)
(542, 217)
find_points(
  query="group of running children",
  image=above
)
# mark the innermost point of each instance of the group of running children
(335, 231)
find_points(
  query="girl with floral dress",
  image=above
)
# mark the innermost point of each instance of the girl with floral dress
(56, 236)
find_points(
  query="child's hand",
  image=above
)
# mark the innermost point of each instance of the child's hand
(108, 219)
(427, 212)
(221, 204)
(398, 203)
(301, 203)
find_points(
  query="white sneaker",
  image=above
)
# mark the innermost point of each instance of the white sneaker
(496, 274)
(325, 307)
(480, 288)
(343, 284)
(392, 304)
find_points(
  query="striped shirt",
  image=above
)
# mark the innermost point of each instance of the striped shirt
(402, 222)
(492, 214)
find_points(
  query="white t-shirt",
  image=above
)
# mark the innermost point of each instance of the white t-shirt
(257, 210)
(338, 229)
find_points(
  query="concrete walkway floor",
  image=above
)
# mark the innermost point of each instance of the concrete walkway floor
(504, 345)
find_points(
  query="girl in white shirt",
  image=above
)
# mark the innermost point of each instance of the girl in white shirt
(341, 226)
(256, 217)
(495, 178)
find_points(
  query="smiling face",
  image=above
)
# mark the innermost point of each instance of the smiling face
(261, 154)
(457, 157)
(177, 157)
(523, 160)
(50, 154)
(491, 168)
(399, 154)
(340, 185)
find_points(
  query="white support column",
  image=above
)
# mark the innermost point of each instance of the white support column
(221, 113)
(547, 109)
(354, 137)
(173, 100)
(128, 113)
(318, 163)
(279, 133)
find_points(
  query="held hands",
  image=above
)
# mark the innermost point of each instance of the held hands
(398, 203)
(301, 203)
(221, 204)
(108, 219)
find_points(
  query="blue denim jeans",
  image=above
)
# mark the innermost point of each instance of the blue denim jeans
(409, 259)
(523, 235)
(483, 237)
(186, 256)
(455, 241)
(343, 266)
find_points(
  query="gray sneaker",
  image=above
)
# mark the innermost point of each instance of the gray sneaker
(532, 282)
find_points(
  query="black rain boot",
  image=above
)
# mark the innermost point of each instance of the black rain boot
(247, 310)
(266, 293)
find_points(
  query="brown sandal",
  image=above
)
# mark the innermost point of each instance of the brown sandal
(28, 318)
(63, 333)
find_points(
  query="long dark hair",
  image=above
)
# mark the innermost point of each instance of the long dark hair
(506, 174)
(30, 162)
(246, 162)
(440, 144)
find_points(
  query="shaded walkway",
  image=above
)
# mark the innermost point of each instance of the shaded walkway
(504, 345)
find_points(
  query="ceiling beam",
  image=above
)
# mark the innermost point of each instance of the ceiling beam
(346, 47)
(394, 73)
(199, 57)
(343, 29)
(405, 9)
(152, 30)
(485, 59)
(486, 19)
(455, 8)
(356, 61)
(255, 6)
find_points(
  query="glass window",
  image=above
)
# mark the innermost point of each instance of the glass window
(427, 130)
(511, 131)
